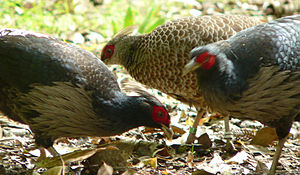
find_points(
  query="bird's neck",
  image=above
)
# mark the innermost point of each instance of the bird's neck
(126, 111)
(134, 52)
(226, 79)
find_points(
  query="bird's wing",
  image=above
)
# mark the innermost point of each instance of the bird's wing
(43, 75)
(28, 58)
(273, 43)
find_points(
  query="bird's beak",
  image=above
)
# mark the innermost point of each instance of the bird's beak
(168, 131)
(191, 66)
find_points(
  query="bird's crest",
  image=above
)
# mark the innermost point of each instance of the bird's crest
(130, 86)
(127, 31)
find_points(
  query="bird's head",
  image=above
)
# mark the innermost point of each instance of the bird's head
(153, 112)
(161, 118)
(208, 57)
(201, 58)
(118, 46)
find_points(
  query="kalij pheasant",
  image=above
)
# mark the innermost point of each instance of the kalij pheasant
(157, 59)
(254, 75)
(60, 90)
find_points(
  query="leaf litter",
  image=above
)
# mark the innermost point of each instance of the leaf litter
(144, 150)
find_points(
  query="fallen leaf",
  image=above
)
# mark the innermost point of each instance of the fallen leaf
(151, 162)
(166, 172)
(183, 115)
(210, 119)
(177, 130)
(105, 170)
(204, 120)
(130, 172)
(57, 170)
(189, 121)
(240, 158)
(216, 161)
(205, 140)
(190, 159)
(162, 152)
(217, 165)
(71, 157)
(264, 137)
(208, 169)
(258, 149)
(114, 158)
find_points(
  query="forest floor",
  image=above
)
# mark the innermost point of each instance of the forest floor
(144, 150)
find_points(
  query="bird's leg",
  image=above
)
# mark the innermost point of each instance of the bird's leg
(52, 151)
(277, 155)
(42, 154)
(193, 130)
(228, 135)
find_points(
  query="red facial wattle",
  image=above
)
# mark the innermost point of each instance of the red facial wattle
(206, 60)
(160, 115)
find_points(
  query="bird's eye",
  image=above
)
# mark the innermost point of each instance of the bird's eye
(160, 114)
(108, 51)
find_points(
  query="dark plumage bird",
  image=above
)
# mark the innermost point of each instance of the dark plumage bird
(254, 75)
(60, 90)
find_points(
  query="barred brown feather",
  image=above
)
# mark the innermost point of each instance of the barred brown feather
(157, 59)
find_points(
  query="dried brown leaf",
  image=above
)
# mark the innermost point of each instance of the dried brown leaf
(163, 152)
(105, 170)
(264, 137)
(177, 130)
(205, 140)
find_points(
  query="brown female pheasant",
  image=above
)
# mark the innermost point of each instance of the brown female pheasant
(157, 59)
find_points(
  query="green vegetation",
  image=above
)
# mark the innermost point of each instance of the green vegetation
(65, 18)
(61, 18)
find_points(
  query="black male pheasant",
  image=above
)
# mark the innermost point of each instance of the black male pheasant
(60, 90)
(157, 59)
(254, 75)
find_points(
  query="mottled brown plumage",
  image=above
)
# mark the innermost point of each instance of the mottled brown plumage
(157, 59)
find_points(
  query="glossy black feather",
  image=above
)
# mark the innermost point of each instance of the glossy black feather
(62, 90)
(256, 74)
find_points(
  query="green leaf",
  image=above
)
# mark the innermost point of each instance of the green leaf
(128, 20)
(157, 23)
(146, 21)
(115, 27)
